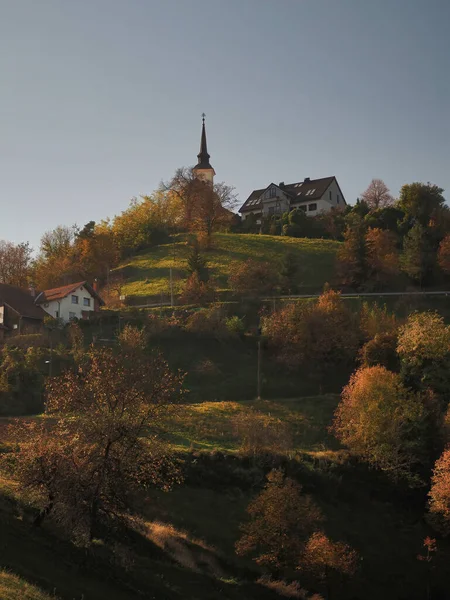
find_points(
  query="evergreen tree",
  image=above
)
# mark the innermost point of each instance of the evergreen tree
(197, 263)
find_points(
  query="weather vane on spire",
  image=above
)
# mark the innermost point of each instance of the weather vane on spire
(203, 117)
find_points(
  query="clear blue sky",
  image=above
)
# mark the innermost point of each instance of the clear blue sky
(101, 99)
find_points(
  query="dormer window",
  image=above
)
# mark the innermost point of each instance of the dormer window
(272, 192)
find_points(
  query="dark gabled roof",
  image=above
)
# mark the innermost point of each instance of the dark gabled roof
(21, 301)
(253, 196)
(313, 189)
(306, 190)
(62, 292)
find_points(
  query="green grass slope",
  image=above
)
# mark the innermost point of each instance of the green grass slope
(147, 274)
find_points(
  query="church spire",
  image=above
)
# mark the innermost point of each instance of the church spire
(203, 168)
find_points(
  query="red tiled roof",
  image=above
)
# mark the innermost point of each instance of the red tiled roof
(62, 292)
(59, 292)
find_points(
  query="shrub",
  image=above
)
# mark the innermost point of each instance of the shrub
(260, 433)
(382, 351)
(235, 325)
(314, 335)
(253, 278)
(282, 518)
(208, 321)
(376, 319)
(30, 340)
(196, 291)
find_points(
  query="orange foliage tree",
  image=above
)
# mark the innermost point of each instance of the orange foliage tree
(383, 422)
(328, 560)
(439, 496)
(100, 445)
(382, 257)
(444, 254)
(281, 520)
(317, 335)
(206, 208)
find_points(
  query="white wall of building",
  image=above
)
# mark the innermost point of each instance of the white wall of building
(66, 309)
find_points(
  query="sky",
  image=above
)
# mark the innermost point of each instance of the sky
(100, 100)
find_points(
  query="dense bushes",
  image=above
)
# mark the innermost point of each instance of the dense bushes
(317, 335)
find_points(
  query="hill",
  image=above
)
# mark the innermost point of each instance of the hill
(147, 274)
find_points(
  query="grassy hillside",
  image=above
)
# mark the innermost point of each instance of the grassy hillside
(147, 274)
(13, 587)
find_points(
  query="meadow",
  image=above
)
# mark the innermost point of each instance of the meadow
(147, 273)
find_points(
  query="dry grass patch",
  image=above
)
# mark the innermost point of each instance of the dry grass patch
(190, 552)
(15, 588)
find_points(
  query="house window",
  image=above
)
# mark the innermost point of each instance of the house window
(273, 192)
(56, 314)
(86, 301)
(303, 208)
(271, 210)
(312, 207)
(72, 315)
(338, 199)
(74, 299)
(331, 196)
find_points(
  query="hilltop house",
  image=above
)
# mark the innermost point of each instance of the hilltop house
(74, 301)
(18, 311)
(314, 196)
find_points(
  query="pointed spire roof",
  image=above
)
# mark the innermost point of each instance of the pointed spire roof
(203, 156)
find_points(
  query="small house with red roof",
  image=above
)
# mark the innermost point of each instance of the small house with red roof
(74, 301)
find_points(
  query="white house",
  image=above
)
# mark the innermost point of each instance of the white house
(74, 301)
(314, 196)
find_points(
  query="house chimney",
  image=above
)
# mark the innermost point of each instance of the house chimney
(307, 179)
(281, 184)
(95, 285)
(32, 291)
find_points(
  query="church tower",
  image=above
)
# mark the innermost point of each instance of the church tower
(203, 169)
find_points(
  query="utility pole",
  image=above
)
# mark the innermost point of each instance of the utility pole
(171, 288)
(258, 376)
(50, 362)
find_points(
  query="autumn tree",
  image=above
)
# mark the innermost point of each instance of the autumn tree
(206, 208)
(439, 496)
(281, 519)
(102, 445)
(54, 265)
(253, 278)
(352, 256)
(316, 336)
(376, 320)
(377, 195)
(382, 257)
(328, 561)
(382, 422)
(15, 263)
(420, 202)
(95, 251)
(444, 255)
(424, 351)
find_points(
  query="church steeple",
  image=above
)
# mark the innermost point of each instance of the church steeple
(203, 169)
